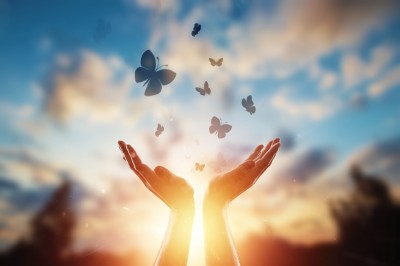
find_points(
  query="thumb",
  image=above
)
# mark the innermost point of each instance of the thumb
(163, 172)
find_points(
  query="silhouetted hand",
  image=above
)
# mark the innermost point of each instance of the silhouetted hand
(225, 188)
(171, 189)
(220, 249)
(178, 195)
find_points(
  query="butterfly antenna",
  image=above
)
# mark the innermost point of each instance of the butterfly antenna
(158, 64)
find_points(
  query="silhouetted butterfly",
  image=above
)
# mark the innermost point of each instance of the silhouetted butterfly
(249, 105)
(204, 91)
(149, 72)
(200, 167)
(159, 130)
(216, 63)
(216, 127)
(196, 29)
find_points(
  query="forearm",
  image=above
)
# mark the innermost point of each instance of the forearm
(219, 246)
(175, 248)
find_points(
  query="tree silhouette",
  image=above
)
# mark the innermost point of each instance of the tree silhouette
(51, 234)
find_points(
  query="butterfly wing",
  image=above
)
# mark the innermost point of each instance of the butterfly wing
(202, 92)
(202, 167)
(212, 61)
(251, 109)
(165, 76)
(219, 62)
(148, 60)
(225, 128)
(154, 86)
(142, 74)
(250, 100)
(159, 127)
(207, 88)
(244, 103)
(215, 125)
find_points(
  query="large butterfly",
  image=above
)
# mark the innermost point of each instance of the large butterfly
(204, 91)
(159, 130)
(216, 63)
(216, 127)
(199, 167)
(196, 29)
(149, 72)
(249, 105)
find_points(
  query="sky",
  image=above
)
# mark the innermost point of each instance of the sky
(324, 76)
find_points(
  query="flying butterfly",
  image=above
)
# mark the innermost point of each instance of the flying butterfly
(216, 63)
(159, 130)
(149, 72)
(249, 105)
(200, 167)
(204, 91)
(196, 29)
(217, 127)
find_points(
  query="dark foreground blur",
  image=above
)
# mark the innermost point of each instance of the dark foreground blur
(368, 223)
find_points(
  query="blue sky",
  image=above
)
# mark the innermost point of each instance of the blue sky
(325, 73)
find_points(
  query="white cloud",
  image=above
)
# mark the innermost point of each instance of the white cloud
(388, 81)
(315, 110)
(87, 84)
(355, 70)
(328, 80)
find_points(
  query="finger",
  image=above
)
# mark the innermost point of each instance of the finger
(123, 148)
(163, 172)
(255, 153)
(267, 148)
(266, 159)
(135, 157)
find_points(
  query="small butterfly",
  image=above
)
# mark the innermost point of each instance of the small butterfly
(196, 29)
(200, 167)
(149, 72)
(204, 91)
(159, 130)
(216, 127)
(249, 105)
(216, 63)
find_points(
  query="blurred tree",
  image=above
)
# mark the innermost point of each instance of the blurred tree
(51, 234)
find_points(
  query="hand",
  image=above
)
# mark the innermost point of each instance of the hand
(171, 189)
(225, 188)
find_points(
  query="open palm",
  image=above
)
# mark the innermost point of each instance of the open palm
(224, 188)
(171, 189)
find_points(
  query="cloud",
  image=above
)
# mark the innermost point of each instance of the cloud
(311, 109)
(158, 6)
(85, 84)
(381, 158)
(308, 165)
(288, 141)
(387, 82)
(329, 80)
(28, 167)
(356, 70)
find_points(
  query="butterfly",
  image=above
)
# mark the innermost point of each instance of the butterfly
(204, 91)
(249, 105)
(216, 127)
(216, 63)
(196, 29)
(200, 167)
(159, 130)
(149, 72)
